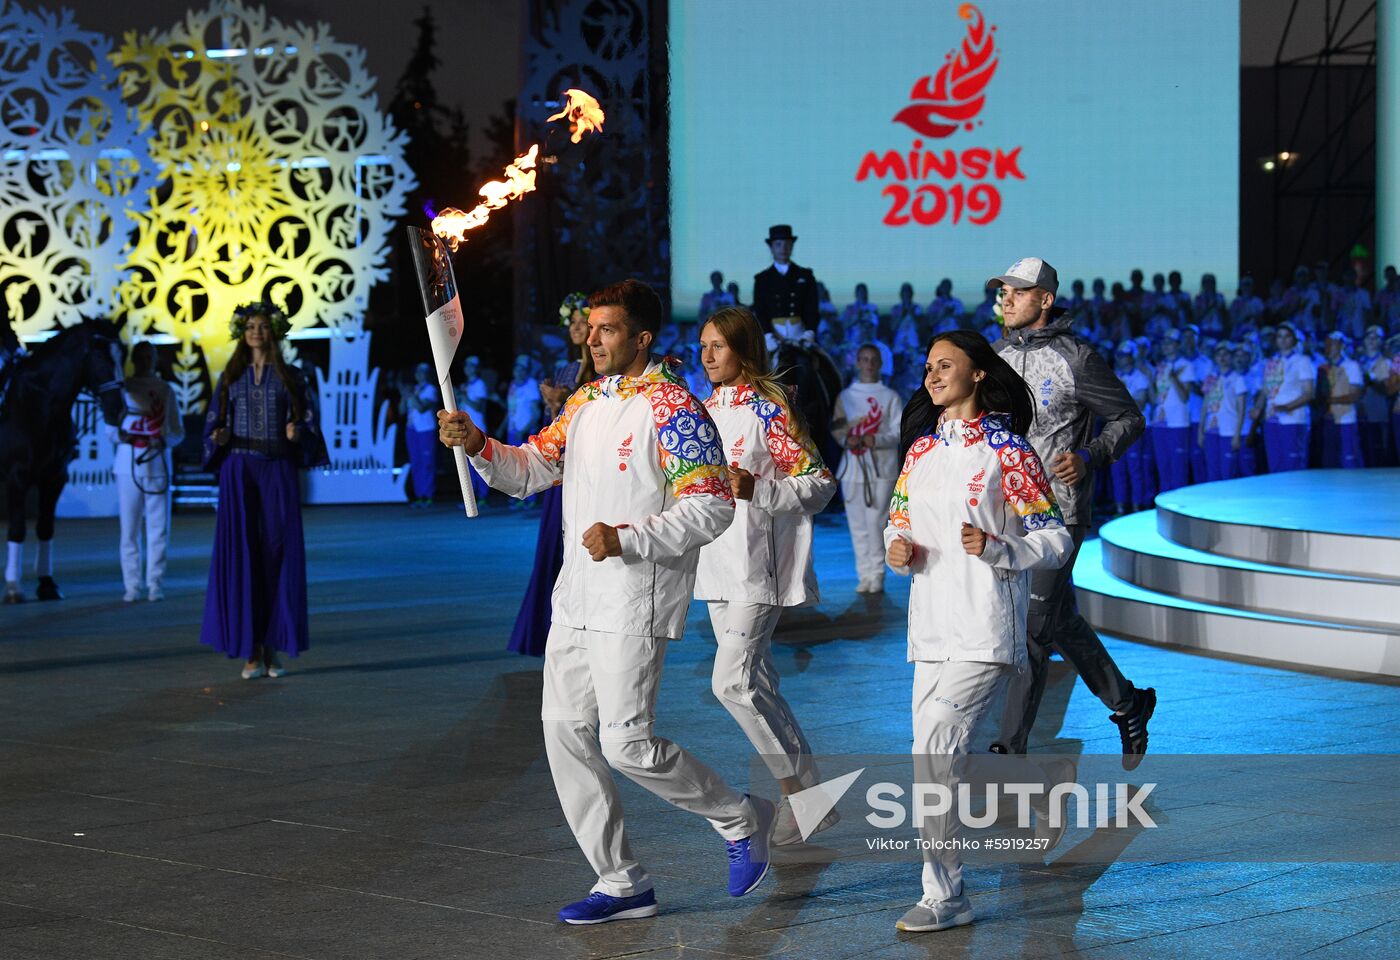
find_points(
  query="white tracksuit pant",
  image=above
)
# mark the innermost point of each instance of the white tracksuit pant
(135, 507)
(745, 680)
(867, 521)
(599, 705)
(949, 698)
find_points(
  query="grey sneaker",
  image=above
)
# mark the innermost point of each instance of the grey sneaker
(1046, 827)
(787, 831)
(929, 915)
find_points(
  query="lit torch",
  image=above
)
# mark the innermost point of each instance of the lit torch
(434, 265)
(444, 314)
(584, 116)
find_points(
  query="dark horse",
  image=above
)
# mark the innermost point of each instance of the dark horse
(816, 381)
(37, 437)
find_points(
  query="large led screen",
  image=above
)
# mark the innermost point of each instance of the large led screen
(912, 140)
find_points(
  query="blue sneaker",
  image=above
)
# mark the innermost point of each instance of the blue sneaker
(600, 908)
(748, 858)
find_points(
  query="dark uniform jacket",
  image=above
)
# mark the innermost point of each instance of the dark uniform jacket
(790, 295)
(1072, 385)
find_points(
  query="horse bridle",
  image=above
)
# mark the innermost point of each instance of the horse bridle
(116, 382)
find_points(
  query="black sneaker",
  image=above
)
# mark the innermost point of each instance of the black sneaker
(1132, 727)
(998, 748)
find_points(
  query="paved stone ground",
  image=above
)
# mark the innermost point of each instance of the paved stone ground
(390, 798)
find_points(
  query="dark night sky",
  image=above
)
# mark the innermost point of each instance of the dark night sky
(478, 81)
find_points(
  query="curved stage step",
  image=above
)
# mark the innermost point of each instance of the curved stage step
(1124, 609)
(1339, 521)
(1135, 551)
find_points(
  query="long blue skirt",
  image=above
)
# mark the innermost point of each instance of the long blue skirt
(257, 575)
(537, 609)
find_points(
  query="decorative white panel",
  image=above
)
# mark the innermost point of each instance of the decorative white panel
(73, 171)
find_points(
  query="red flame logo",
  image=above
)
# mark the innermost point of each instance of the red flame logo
(868, 425)
(956, 94)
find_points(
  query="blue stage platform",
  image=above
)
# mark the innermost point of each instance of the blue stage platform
(1300, 569)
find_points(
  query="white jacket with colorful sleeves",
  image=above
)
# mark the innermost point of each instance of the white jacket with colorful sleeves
(977, 471)
(766, 554)
(638, 453)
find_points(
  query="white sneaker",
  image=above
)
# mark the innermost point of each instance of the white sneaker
(786, 830)
(132, 595)
(929, 915)
(253, 672)
(275, 670)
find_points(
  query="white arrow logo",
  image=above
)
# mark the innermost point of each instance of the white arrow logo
(810, 806)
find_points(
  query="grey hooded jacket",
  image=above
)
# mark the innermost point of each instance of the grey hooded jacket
(1071, 385)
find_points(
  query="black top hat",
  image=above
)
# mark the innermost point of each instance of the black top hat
(780, 231)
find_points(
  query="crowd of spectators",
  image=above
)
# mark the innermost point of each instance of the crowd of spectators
(1321, 353)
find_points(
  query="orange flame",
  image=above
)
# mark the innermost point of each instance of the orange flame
(584, 115)
(583, 112)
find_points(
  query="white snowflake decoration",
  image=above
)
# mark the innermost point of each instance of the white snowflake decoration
(73, 164)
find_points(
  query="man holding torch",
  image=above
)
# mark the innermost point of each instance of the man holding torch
(644, 489)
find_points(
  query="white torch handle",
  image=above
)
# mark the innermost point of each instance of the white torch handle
(459, 454)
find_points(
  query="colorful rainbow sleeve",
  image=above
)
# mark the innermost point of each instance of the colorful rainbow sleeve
(899, 502)
(795, 457)
(1025, 485)
(550, 441)
(687, 443)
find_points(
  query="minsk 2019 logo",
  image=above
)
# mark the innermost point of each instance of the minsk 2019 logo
(928, 185)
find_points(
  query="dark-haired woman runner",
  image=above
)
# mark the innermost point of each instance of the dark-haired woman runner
(972, 512)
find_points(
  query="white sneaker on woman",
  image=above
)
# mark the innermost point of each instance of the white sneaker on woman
(928, 915)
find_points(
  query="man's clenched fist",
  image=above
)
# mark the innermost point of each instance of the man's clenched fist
(457, 430)
(601, 541)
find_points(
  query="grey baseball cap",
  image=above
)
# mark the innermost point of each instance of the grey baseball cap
(1026, 273)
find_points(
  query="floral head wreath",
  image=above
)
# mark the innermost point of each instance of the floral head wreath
(276, 319)
(574, 301)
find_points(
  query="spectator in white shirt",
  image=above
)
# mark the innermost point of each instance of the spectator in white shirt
(1341, 437)
(1133, 485)
(1222, 419)
(1247, 462)
(1289, 382)
(1173, 382)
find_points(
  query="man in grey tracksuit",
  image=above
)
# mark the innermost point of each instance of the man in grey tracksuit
(1071, 385)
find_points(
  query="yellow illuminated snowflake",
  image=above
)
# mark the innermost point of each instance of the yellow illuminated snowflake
(280, 178)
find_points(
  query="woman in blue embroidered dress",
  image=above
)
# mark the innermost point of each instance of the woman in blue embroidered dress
(536, 609)
(260, 427)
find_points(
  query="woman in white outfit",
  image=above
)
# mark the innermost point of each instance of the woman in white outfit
(150, 427)
(972, 513)
(867, 426)
(763, 561)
